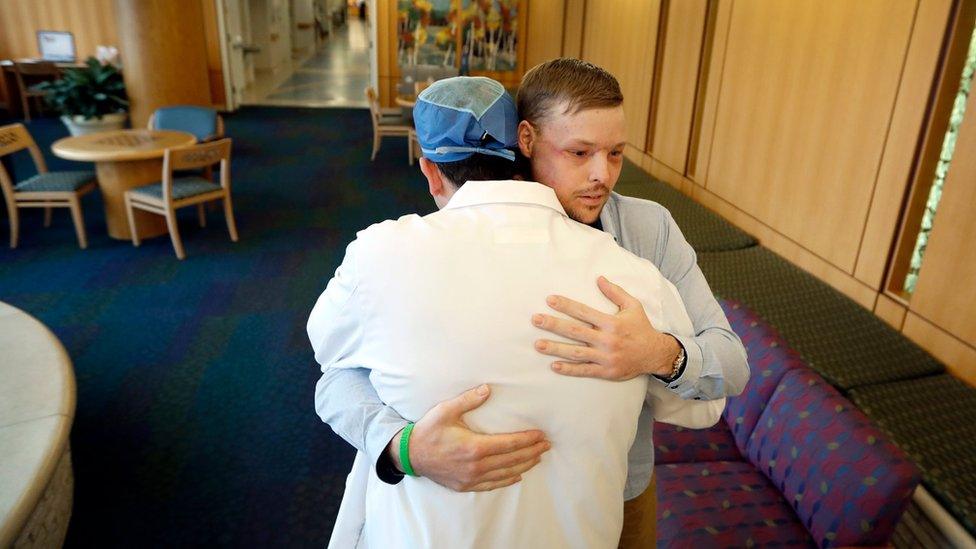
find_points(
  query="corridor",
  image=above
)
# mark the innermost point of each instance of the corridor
(335, 76)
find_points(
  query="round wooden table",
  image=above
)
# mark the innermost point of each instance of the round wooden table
(125, 159)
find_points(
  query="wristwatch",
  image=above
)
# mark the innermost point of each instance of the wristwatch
(677, 367)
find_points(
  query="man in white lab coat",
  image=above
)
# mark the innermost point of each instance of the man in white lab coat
(435, 305)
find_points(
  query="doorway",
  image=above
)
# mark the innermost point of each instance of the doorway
(297, 53)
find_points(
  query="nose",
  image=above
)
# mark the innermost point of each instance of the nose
(599, 169)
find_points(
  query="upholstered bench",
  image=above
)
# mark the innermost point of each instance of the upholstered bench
(703, 229)
(791, 463)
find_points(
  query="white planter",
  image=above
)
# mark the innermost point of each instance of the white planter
(78, 125)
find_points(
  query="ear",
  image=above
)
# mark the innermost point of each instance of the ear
(435, 180)
(526, 138)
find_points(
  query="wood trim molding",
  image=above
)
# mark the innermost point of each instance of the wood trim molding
(662, 37)
(722, 11)
(959, 358)
(701, 87)
(891, 311)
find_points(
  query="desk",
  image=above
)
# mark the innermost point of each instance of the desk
(37, 407)
(8, 84)
(125, 159)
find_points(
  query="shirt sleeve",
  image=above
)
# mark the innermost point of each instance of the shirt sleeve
(716, 360)
(344, 396)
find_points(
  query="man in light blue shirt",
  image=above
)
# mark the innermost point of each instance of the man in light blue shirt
(572, 123)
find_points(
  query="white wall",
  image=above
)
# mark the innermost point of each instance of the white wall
(270, 18)
(303, 11)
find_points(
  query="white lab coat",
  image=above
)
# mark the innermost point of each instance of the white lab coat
(435, 305)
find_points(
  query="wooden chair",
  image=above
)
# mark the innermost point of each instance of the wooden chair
(413, 146)
(45, 190)
(165, 197)
(387, 122)
(203, 122)
(34, 71)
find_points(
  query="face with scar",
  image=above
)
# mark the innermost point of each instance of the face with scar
(573, 132)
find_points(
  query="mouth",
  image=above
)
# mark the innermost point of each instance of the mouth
(592, 199)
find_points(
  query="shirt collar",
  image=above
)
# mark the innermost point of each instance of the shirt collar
(474, 193)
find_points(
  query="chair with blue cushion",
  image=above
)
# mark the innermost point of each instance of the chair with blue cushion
(45, 190)
(166, 196)
(203, 122)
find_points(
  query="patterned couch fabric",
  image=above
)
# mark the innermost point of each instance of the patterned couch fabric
(723, 504)
(932, 420)
(769, 359)
(673, 444)
(845, 480)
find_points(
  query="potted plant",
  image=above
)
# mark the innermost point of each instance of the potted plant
(89, 99)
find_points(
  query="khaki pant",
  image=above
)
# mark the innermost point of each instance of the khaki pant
(640, 520)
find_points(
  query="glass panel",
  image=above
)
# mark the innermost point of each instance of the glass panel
(942, 169)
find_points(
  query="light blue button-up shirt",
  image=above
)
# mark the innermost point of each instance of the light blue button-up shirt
(716, 360)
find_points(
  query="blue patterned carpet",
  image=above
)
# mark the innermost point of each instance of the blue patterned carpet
(195, 423)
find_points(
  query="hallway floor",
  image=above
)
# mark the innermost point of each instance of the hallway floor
(335, 76)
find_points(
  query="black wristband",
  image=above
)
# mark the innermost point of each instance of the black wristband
(386, 470)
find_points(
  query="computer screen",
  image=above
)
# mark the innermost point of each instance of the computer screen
(56, 45)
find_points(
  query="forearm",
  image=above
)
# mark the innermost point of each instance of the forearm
(347, 401)
(716, 360)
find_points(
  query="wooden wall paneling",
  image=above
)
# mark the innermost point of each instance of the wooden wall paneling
(386, 50)
(713, 63)
(621, 38)
(159, 70)
(91, 22)
(662, 33)
(575, 11)
(807, 93)
(946, 291)
(674, 103)
(215, 65)
(544, 31)
(930, 149)
(790, 250)
(959, 358)
(385, 15)
(890, 311)
(908, 124)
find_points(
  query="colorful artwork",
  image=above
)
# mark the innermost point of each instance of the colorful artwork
(490, 36)
(427, 32)
(473, 35)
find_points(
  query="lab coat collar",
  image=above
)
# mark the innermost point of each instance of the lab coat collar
(474, 193)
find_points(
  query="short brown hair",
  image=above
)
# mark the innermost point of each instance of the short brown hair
(579, 84)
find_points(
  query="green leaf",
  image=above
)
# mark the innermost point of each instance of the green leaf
(91, 91)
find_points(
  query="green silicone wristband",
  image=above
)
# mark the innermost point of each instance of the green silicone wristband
(405, 451)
